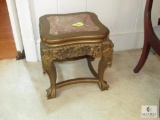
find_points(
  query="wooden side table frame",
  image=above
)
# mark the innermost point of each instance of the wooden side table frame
(89, 46)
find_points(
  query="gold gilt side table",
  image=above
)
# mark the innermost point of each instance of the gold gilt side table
(71, 37)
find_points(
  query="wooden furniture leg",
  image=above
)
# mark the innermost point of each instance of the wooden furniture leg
(89, 60)
(143, 58)
(106, 61)
(50, 69)
(102, 66)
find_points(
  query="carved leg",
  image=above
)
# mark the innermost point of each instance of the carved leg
(106, 61)
(50, 69)
(101, 68)
(143, 58)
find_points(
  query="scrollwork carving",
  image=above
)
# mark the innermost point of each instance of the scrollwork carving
(76, 50)
(108, 52)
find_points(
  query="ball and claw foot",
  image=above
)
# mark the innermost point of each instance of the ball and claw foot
(51, 93)
(103, 86)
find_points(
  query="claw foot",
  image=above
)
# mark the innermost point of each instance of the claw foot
(103, 85)
(51, 93)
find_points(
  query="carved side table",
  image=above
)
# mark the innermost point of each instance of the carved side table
(71, 37)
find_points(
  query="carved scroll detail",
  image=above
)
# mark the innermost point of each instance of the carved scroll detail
(108, 52)
(49, 54)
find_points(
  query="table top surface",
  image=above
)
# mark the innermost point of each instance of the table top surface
(56, 28)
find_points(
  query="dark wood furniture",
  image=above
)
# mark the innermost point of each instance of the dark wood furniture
(151, 36)
(71, 37)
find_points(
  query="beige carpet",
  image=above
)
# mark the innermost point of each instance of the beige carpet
(23, 95)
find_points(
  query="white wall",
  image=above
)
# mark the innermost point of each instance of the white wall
(124, 18)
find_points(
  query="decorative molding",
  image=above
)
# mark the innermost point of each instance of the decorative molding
(75, 50)
(70, 51)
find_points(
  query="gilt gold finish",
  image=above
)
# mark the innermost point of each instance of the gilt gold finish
(73, 46)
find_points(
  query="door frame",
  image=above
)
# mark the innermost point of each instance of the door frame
(22, 26)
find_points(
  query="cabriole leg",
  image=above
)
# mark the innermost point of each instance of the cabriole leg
(106, 61)
(50, 69)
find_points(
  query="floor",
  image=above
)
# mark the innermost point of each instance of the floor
(7, 44)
